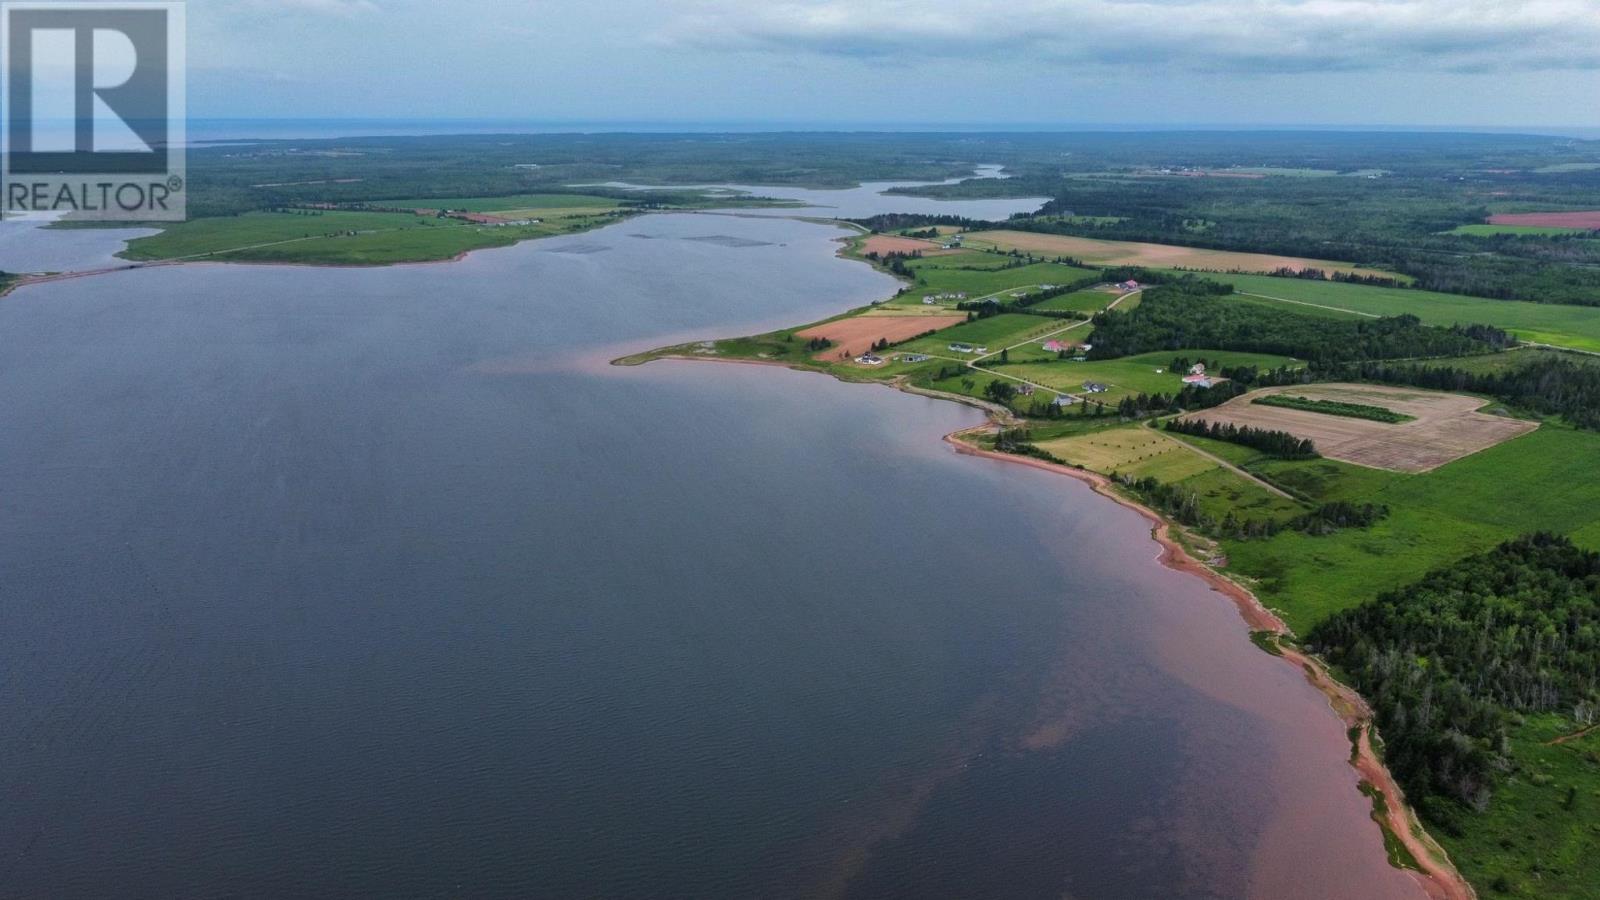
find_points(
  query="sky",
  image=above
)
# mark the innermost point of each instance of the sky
(1482, 63)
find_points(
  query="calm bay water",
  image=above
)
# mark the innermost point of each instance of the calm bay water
(376, 583)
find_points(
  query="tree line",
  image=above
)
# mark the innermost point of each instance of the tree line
(1276, 444)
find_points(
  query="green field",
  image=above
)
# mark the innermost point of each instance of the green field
(934, 276)
(338, 237)
(1577, 327)
(1131, 374)
(1140, 452)
(994, 332)
(1481, 230)
(1540, 481)
(1087, 301)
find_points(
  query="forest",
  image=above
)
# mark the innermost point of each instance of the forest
(1450, 662)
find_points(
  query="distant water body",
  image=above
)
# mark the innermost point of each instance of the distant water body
(340, 582)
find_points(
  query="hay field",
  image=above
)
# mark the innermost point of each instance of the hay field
(1156, 256)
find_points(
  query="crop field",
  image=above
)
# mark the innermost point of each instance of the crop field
(1139, 452)
(856, 335)
(1588, 220)
(994, 332)
(1577, 327)
(1147, 373)
(1130, 253)
(1446, 427)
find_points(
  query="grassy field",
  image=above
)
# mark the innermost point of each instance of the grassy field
(994, 332)
(1131, 375)
(934, 276)
(1539, 481)
(1577, 327)
(1088, 301)
(1141, 452)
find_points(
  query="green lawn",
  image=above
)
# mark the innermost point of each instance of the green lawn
(1577, 327)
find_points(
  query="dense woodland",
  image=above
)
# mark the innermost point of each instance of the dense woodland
(1450, 661)
(1190, 315)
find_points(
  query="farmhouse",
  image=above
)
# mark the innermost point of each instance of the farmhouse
(1095, 387)
(959, 347)
(1129, 286)
(1025, 390)
(1063, 400)
(870, 359)
(913, 358)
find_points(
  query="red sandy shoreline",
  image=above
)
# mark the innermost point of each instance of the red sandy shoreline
(1438, 878)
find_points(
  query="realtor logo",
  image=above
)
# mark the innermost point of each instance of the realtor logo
(93, 109)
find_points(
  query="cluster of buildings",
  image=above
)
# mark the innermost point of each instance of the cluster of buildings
(959, 347)
(1197, 376)
(932, 299)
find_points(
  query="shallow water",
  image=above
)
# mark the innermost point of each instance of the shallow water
(370, 582)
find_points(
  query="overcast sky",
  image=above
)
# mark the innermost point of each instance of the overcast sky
(1273, 62)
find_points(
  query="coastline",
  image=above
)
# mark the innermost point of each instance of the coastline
(1434, 872)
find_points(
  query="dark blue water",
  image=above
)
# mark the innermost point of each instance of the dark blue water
(337, 583)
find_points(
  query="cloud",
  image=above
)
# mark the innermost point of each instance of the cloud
(1265, 36)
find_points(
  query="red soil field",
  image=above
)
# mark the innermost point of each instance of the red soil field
(856, 336)
(1585, 219)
